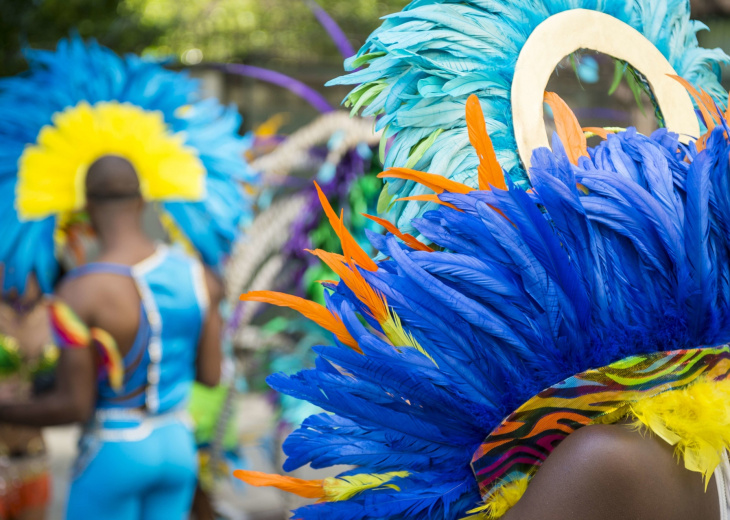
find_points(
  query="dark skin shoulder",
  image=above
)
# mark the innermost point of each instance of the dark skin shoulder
(611, 472)
(74, 396)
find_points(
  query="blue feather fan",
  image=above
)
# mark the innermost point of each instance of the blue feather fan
(562, 281)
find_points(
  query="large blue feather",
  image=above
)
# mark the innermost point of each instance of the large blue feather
(572, 279)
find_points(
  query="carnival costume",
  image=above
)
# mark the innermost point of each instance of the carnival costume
(514, 317)
(72, 107)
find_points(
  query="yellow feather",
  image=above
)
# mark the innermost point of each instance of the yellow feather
(500, 501)
(344, 488)
(695, 420)
(52, 172)
(398, 336)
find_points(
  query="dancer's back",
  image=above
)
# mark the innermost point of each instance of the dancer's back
(155, 304)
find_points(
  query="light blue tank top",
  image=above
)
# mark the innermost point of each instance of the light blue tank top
(160, 367)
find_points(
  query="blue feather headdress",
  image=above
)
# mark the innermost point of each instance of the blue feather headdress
(424, 62)
(462, 360)
(81, 80)
(624, 254)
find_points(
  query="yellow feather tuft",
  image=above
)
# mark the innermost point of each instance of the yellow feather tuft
(344, 488)
(51, 173)
(694, 420)
(398, 336)
(500, 501)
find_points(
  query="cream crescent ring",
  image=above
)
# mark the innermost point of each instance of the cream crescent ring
(563, 34)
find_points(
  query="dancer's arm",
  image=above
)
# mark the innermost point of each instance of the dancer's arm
(210, 357)
(73, 397)
(70, 401)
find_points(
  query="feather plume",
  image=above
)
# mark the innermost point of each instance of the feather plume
(497, 504)
(349, 245)
(431, 181)
(489, 171)
(296, 486)
(429, 198)
(603, 133)
(352, 278)
(315, 312)
(693, 420)
(410, 240)
(346, 487)
(704, 102)
(568, 128)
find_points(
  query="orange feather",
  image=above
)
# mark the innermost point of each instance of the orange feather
(429, 198)
(409, 239)
(296, 486)
(569, 130)
(704, 103)
(349, 245)
(311, 310)
(356, 283)
(600, 132)
(433, 182)
(490, 172)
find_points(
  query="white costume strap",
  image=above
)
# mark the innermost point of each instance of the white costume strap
(122, 424)
(722, 477)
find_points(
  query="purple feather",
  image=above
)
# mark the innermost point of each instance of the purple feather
(295, 86)
(336, 33)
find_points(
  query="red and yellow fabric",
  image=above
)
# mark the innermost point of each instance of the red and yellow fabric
(70, 332)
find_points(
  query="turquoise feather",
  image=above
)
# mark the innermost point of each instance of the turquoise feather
(426, 60)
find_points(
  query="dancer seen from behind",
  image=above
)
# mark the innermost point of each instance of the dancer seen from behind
(157, 310)
(139, 325)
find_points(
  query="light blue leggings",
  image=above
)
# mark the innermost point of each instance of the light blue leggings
(150, 479)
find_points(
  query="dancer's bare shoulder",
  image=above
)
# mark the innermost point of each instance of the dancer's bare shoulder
(614, 473)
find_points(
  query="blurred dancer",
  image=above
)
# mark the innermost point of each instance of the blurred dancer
(27, 359)
(152, 314)
(135, 329)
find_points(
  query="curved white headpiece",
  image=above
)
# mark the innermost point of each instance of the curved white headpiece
(563, 34)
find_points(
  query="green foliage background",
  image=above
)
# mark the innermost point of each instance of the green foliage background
(265, 32)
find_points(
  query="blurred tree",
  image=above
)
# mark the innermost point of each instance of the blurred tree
(257, 31)
(268, 32)
(41, 23)
(710, 7)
